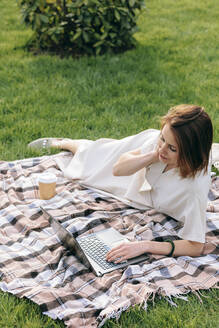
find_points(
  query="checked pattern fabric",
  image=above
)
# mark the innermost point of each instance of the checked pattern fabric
(35, 265)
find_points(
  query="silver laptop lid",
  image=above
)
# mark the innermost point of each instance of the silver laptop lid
(67, 239)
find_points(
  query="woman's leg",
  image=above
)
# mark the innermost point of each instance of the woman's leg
(60, 143)
(67, 144)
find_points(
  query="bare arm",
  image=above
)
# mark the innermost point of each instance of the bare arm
(131, 249)
(133, 161)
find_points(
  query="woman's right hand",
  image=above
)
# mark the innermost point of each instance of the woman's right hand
(155, 156)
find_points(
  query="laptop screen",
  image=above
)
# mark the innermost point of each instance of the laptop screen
(67, 239)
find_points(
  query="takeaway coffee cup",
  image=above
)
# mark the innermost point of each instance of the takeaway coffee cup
(47, 185)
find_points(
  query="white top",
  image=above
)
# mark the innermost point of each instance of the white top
(183, 199)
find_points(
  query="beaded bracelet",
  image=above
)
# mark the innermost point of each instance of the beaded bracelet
(173, 246)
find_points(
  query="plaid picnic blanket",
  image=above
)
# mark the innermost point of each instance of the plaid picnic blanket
(35, 265)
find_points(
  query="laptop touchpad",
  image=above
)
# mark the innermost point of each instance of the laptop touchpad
(111, 237)
(117, 243)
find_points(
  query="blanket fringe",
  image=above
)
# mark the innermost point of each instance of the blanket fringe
(169, 299)
(113, 315)
(151, 298)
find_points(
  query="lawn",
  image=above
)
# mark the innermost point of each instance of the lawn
(176, 61)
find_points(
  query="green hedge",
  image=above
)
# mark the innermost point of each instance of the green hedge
(82, 26)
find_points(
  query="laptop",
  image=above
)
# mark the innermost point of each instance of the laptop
(91, 249)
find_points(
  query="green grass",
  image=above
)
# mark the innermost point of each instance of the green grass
(176, 61)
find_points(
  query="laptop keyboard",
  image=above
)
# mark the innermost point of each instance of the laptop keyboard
(97, 250)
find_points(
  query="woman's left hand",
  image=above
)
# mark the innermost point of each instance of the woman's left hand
(125, 251)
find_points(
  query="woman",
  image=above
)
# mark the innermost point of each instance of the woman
(167, 170)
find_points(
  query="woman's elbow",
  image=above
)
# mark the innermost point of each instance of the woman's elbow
(119, 171)
(116, 170)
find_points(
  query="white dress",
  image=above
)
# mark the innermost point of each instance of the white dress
(183, 199)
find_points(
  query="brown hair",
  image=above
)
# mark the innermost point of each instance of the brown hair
(192, 128)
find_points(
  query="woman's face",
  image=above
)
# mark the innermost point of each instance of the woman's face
(168, 149)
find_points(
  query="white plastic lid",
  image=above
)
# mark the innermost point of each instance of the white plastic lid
(47, 177)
